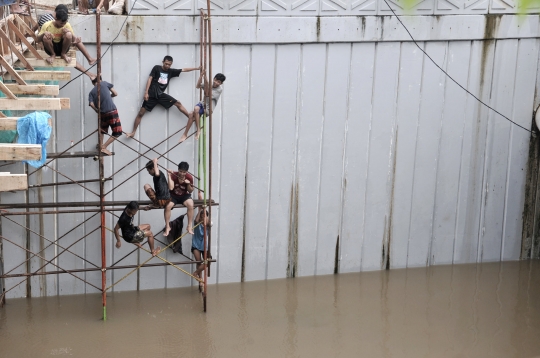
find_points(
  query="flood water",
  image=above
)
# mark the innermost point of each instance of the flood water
(489, 310)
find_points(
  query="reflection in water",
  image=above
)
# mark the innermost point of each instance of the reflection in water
(443, 311)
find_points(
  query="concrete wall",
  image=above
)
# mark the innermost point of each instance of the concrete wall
(329, 156)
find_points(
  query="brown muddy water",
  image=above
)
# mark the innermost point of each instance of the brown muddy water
(489, 310)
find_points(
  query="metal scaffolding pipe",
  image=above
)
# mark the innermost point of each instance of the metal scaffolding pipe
(15, 275)
(67, 183)
(75, 204)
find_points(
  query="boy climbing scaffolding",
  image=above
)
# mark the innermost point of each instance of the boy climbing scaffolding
(197, 241)
(133, 234)
(201, 107)
(159, 196)
(109, 113)
(58, 36)
(180, 186)
(154, 92)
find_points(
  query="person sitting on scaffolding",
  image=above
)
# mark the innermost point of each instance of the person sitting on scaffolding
(109, 113)
(201, 107)
(180, 187)
(133, 234)
(154, 92)
(160, 195)
(197, 241)
(58, 36)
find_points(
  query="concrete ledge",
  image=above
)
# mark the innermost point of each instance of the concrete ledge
(252, 30)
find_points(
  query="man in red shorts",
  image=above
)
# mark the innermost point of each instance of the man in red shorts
(109, 113)
(180, 186)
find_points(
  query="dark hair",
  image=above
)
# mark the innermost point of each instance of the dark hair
(133, 205)
(220, 77)
(167, 58)
(183, 166)
(61, 7)
(150, 164)
(95, 80)
(61, 15)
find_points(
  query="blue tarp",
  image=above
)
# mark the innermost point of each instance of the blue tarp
(34, 128)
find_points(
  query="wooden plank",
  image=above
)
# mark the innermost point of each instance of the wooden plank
(31, 104)
(43, 90)
(26, 28)
(57, 62)
(71, 53)
(16, 51)
(20, 151)
(12, 73)
(23, 39)
(40, 75)
(6, 91)
(64, 103)
(10, 123)
(10, 182)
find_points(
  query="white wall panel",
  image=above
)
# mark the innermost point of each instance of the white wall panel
(261, 105)
(283, 187)
(448, 165)
(235, 106)
(409, 92)
(502, 98)
(380, 154)
(425, 165)
(356, 156)
(313, 77)
(470, 194)
(333, 140)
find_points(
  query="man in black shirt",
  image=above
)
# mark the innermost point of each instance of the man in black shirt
(155, 90)
(133, 234)
(160, 196)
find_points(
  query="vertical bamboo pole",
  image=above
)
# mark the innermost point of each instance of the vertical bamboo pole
(101, 182)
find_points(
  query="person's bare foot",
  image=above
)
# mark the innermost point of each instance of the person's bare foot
(91, 75)
(146, 208)
(190, 230)
(66, 58)
(92, 62)
(197, 134)
(167, 230)
(106, 151)
(182, 138)
(130, 135)
(50, 60)
(156, 251)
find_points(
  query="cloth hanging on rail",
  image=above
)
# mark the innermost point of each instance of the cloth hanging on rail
(176, 231)
(34, 128)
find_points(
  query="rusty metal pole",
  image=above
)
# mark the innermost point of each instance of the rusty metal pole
(101, 182)
(208, 240)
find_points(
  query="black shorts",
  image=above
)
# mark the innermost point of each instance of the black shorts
(137, 238)
(164, 99)
(57, 47)
(180, 200)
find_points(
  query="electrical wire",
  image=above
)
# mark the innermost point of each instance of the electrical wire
(108, 47)
(450, 77)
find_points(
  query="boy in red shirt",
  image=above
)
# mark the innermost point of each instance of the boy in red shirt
(180, 187)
